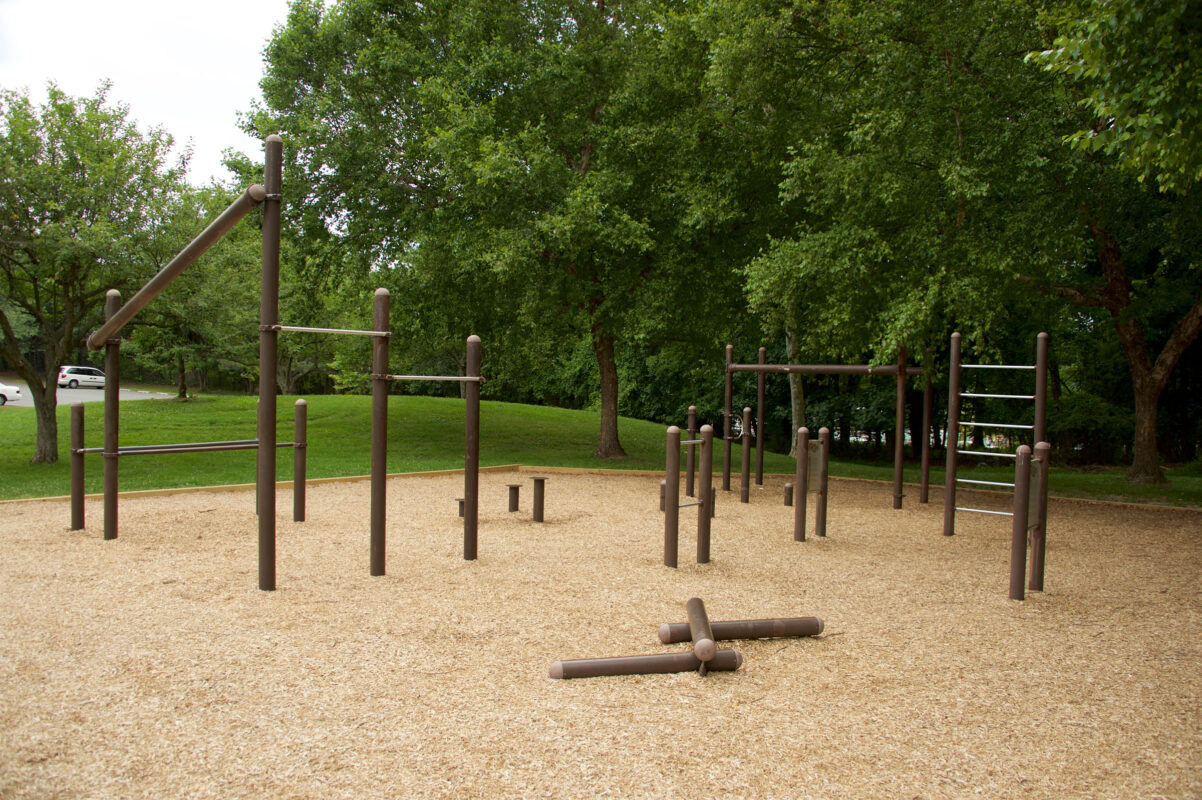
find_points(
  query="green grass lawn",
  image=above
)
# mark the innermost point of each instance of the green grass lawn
(425, 433)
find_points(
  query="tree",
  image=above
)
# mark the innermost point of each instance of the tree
(533, 150)
(81, 189)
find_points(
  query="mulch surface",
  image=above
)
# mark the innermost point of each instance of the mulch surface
(153, 666)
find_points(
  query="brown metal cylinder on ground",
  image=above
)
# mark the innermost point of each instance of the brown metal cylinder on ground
(788, 494)
(699, 630)
(514, 488)
(723, 661)
(540, 490)
(672, 632)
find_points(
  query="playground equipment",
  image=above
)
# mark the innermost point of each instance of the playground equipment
(813, 459)
(269, 194)
(1030, 517)
(762, 369)
(670, 498)
(705, 655)
(955, 423)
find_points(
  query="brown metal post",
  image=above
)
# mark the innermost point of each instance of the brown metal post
(723, 661)
(671, 495)
(382, 323)
(760, 378)
(727, 410)
(299, 446)
(745, 467)
(1018, 534)
(112, 415)
(77, 445)
(1041, 388)
(801, 484)
(539, 492)
(471, 449)
(824, 442)
(928, 410)
(514, 488)
(899, 427)
(788, 494)
(690, 454)
(951, 438)
(699, 631)
(1039, 530)
(673, 632)
(269, 317)
(705, 511)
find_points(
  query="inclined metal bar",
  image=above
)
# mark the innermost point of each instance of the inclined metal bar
(689, 505)
(985, 453)
(986, 511)
(330, 330)
(997, 366)
(997, 425)
(985, 483)
(252, 197)
(1000, 396)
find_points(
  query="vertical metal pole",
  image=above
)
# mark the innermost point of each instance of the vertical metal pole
(801, 484)
(471, 449)
(112, 416)
(928, 410)
(539, 494)
(824, 459)
(745, 467)
(1018, 535)
(269, 316)
(899, 427)
(690, 454)
(705, 510)
(671, 495)
(381, 323)
(77, 445)
(760, 379)
(1039, 531)
(727, 410)
(951, 439)
(1041, 388)
(299, 446)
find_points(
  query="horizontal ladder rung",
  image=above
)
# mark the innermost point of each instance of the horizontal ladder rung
(985, 511)
(999, 396)
(996, 366)
(689, 505)
(691, 441)
(984, 483)
(328, 330)
(985, 453)
(459, 378)
(996, 425)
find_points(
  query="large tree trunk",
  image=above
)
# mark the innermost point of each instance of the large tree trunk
(608, 446)
(181, 369)
(45, 403)
(797, 398)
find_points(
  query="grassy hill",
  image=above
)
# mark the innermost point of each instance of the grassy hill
(425, 433)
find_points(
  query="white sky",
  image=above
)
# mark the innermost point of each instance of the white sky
(188, 67)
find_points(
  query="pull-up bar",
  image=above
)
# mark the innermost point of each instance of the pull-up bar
(329, 330)
(456, 378)
(824, 369)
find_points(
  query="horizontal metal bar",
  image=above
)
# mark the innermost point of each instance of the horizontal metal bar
(824, 369)
(984, 483)
(691, 441)
(985, 511)
(996, 425)
(689, 505)
(186, 444)
(144, 450)
(996, 366)
(328, 330)
(459, 378)
(985, 453)
(1000, 396)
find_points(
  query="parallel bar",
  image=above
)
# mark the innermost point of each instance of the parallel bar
(456, 378)
(690, 441)
(984, 483)
(997, 425)
(985, 511)
(822, 369)
(999, 396)
(184, 444)
(984, 453)
(327, 330)
(997, 366)
(148, 450)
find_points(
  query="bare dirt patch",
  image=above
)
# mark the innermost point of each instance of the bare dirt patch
(152, 666)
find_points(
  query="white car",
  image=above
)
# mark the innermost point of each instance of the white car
(75, 377)
(8, 392)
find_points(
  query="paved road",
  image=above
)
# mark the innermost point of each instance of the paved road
(68, 396)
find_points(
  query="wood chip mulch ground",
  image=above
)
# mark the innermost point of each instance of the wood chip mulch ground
(152, 665)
